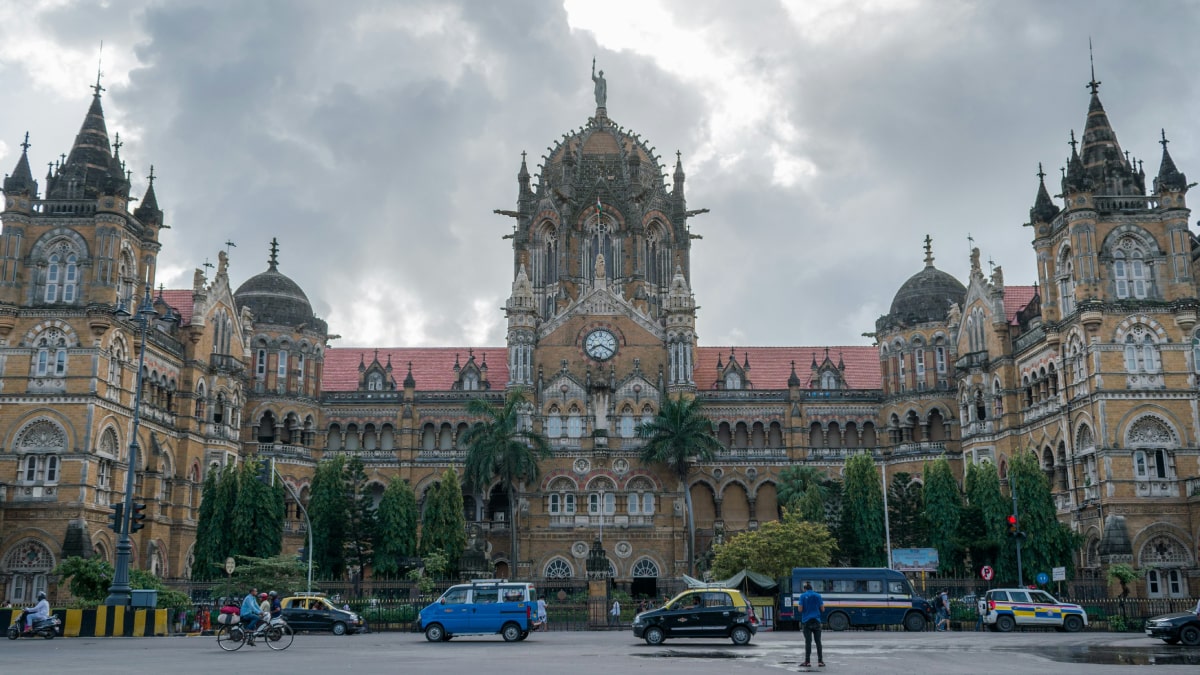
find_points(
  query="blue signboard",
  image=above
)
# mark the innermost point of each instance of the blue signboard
(1043, 578)
(915, 559)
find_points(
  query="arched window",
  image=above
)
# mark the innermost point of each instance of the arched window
(470, 381)
(1141, 353)
(554, 427)
(53, 278)
(574, 423)
(1066, 282)
(627, 422)
(1129, 270)
(71, 279)
(260, 364)
(733, 380)
(644, 568)
(558, 569)
(375, 382)
(829, 380)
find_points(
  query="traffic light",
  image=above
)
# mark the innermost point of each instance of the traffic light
(1011, 520)
(136, 518)
(115, 517)
(266, 472)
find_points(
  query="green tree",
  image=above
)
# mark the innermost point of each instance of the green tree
(88, 578)
(1048, 543)
(943, 508)
(396, 530)
(360, 516)
(775, 548)
(328, 505)
(503, 446)
(256, 527)
(210, 546)
(676, 437)
(862, 512)
(281, 573)
(802, 492)
(982, 486)
(906, 504)
(443, 525)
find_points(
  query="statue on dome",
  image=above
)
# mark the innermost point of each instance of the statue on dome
(601, 86)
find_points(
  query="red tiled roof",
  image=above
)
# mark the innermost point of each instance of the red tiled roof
(181, 301)
(1017, 298)
(770, 367)
(432, 367)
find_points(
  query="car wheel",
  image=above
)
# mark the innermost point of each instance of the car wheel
(1190, 636)
(914, 622)
(838, 621)
(740, 635)
(435, 633)
(339, 628)
(1072, 624)
(654, 636)
(511, 632)
(1005, 623)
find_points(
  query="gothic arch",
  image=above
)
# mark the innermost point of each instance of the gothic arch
(1149, 428)
(42, 434)
(558, 567)
(1163, 544)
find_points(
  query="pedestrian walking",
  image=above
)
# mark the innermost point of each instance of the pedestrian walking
(614, 614)
(541, 614)
(943, 610)
(812, 608)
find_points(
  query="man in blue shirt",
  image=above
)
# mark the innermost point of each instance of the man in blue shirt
(250, 612)
(811, 609)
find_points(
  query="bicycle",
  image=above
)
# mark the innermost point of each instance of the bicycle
(277, 635)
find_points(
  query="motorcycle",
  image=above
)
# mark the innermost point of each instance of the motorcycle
(48, 628)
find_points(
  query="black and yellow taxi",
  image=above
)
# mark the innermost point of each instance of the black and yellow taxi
(316, 613)
(699, 613)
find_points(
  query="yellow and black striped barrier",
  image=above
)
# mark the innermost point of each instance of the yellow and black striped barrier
(105, 621)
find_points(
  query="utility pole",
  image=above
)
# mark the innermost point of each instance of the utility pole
(1018, 534)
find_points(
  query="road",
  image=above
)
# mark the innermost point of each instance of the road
(606, 653)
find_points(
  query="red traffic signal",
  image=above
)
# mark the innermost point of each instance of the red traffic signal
(1011, 521)
(136, 518)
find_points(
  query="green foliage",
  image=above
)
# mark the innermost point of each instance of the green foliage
(1124, 574)
(862, 512)
(328, 506)
(257, 514)
(443, 527)
(943, 508)
(802, 492)
(360, 516)
(679, 435)
(282, 573)
(1048, 543)
(396, 529)
(501, 448)
(209, 532)
(982, 484)
(88, 578)
(775, 548)
(906, 506)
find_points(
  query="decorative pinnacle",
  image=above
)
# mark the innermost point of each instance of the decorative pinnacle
(273, 261)
(1072, 142)
(928, 251)
(1163, 142)
(1093, 85)
(25, 144)
(151, 176)
(117, 143)
(1041, 174)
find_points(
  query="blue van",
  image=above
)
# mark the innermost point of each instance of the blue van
(484, 607)
(860, 596)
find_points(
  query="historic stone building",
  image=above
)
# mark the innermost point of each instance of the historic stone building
(1094, 369)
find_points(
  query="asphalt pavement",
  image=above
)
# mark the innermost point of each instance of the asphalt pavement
(609, 652)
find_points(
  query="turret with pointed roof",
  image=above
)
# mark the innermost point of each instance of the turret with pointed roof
(88, 170)
(21, 181)
(1044, 209)
(1169, 178)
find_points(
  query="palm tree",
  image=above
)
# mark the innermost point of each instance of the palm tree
(502, 447)
(678, 436)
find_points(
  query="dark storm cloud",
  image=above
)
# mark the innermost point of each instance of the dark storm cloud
(374, 140)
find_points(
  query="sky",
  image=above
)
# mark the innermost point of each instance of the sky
(375, 139)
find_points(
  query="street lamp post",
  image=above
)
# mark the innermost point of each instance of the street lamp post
(119, 593)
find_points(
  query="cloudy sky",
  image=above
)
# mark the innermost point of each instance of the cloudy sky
(374, 139)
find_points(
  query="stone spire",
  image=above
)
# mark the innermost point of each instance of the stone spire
(1101, 155)
(1044, 209)
(1169, 178)
(89, 164)
(148, 212)
(21, 181)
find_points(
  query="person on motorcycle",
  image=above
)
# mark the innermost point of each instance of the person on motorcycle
(38, 612)
(250, 612)
(264, 611)
(276, 607)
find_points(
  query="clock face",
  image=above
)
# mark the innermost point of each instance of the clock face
(600, 344)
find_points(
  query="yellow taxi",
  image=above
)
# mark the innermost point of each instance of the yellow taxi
(1003, 609)
(699, 613)
(316, 612)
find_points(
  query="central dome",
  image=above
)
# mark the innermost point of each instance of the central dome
(926, 297)
(274, 298)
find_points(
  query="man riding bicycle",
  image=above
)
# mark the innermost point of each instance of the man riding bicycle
(251, 614)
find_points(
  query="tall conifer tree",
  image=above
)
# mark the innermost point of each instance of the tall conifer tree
(862, 512)
(943, 509)
(444, 526)
(396, 530)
